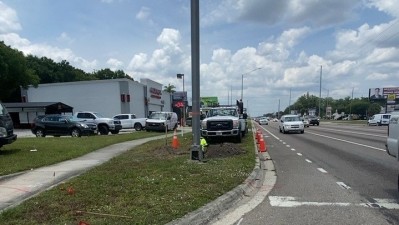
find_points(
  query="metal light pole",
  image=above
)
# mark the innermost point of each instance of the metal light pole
(242, 80)
(321, 69)
(181, 76)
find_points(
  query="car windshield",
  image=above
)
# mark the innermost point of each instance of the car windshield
(292, 118)
(158, 116)
(222, 112)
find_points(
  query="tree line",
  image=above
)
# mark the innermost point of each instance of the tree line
(357, 106)
(18, 70)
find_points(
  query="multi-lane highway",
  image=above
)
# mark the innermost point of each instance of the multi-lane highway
(331, 174)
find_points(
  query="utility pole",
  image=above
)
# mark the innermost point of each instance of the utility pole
(196, 152)
(289, 104)
(278, 110)
(350, 107)
(321, 69)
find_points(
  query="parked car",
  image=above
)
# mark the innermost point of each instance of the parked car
(263, 121)
(130, 121)
(379, 119)
(313, 120)
(290, 123)
(61, 125)
(7, 135)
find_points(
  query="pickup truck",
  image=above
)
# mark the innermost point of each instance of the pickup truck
(7, 135)
(130, 121)
(104, 124)
(224, 122)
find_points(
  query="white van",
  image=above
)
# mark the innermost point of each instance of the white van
(161, 121)
(379, 119)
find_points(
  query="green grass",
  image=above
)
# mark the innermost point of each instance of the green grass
(50, 150)
(146, 186)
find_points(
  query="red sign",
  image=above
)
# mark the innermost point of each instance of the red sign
(179, 104)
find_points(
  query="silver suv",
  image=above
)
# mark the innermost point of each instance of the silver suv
(291, 123)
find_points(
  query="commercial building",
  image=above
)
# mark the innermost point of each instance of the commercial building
(108, 97)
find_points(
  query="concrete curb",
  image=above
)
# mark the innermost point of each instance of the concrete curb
(210, 211)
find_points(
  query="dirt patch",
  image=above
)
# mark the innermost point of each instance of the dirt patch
(219, 150)
(223, 150)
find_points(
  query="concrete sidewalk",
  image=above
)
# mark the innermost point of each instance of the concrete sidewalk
(16, 189)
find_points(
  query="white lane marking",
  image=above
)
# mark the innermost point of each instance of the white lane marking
(292, 149)
(288, 146)
(284, 143)
(288, 201)
(343, 185)
(307, 160)
(345, 131)
(350, 142)
(322, 170)
(239, 222)
(300, 154)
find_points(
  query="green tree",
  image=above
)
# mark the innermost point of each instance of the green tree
(14, 73)
(374, 108)
(105, 74)
(170, 88)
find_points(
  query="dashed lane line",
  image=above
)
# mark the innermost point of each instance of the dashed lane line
(322, 170)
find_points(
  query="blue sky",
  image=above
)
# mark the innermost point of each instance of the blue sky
(356, 42)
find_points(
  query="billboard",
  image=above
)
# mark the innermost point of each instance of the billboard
(209, 101)
(391, 94)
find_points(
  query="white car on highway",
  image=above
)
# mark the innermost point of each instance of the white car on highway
(263, 121)
(291, 123)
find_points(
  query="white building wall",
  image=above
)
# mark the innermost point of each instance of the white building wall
(98, 96)
(137, 105)
(104, 96)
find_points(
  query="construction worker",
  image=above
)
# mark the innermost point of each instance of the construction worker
(203, 144)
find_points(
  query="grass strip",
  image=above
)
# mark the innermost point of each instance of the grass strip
(150, 184)
(31, 153)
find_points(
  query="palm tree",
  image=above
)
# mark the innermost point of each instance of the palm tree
(170, 88)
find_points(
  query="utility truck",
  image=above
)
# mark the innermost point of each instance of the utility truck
(224, 122)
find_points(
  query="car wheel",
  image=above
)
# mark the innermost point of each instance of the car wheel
(138, 127)
(75, 132)
(284, 131)
(279, 129)
(317, 124)
(174, 128)
(114, 131)
(40, 133)
(239, 137)
(103, 129)
(302, 131)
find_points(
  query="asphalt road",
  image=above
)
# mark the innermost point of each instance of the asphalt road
(331, 174)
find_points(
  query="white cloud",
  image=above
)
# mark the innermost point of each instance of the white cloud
(64, 37)
(143, 14)
(114, 64)
(377, 77)
(8, 19)
(44, 50)
(388, 6)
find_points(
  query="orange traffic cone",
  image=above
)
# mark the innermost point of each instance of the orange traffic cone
(175, 141)
(258, 136)
(262, 145)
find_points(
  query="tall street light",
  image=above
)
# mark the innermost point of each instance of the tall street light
(242, 80)
(181, 76)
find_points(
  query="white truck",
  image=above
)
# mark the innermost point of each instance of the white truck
(392, 145)
(130, 121)
(104, 124)
(224, 122)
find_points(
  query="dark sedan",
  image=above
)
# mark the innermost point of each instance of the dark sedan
(60, 125)
(314, 120)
